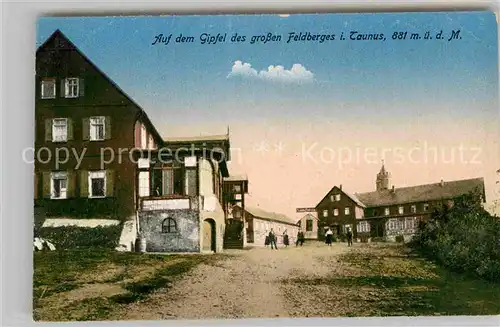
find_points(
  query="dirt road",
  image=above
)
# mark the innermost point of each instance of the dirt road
(252, 283)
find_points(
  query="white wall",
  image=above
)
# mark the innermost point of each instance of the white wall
(209, 204)
(262, 227)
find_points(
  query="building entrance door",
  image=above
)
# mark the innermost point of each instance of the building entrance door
(208, 235)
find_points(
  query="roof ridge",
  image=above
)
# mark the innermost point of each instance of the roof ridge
(428, 184)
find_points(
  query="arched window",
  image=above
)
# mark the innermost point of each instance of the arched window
(169, 226)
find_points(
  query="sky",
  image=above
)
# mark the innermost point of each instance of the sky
(307, 115)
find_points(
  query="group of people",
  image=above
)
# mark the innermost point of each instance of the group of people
(329, 237)
(271, 239)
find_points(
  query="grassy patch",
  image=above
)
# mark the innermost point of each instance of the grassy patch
(58, 273)
(388, 280)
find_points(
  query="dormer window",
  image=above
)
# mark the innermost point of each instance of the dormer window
(48, 88)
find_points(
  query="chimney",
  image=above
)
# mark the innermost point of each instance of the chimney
(442, 182)
(340, 187)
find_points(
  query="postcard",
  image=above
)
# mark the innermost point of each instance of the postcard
(266, 166)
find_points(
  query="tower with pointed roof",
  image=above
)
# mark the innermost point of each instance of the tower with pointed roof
(383, 179)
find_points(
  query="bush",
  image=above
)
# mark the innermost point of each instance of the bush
(464, 238)
(400, 239)
(78, 237)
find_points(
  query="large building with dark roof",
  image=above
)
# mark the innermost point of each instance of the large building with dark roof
(388, 211)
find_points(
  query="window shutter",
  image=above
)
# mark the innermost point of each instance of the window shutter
(70, 129)
(62, 90)
(71, 184)
(107, 128)
(46, 184)
(86, 129)
(110, 182)
(81, 87)
(84, 184)
(48, 130)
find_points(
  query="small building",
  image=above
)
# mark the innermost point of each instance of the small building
(309, 225)
(258, 224)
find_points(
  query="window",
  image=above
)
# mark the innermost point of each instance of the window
(169, 181)
(401, 224)
(347, 211)
(401, 210)
(97, 184)
(410, 223)
(151, 143)
(363, 227)
(325, 213)
(335, 212)
(393, 224)
(309, 225)
(71, 88)
(97, 128)
(48, 89)
(413, 208)
(169, 226)
(237, 188)
(426, 207)
(59, 130)
(144, 137)
(332, 198)
(337, 197)
(59, 185)
(387, 211)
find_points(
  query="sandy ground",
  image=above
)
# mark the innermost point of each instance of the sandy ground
(247, 284)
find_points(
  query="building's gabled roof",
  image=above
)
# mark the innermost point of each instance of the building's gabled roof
(355, 199)
(266, 215)
(349, 195)
(58, 35)
(422, 193)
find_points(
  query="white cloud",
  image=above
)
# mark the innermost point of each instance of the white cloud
(296, 74)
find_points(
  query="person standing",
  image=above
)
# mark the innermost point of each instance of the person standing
(272, 239)
(300, 238)
(349, 237)
(286, 241)
(266, 240)
(329, 237)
